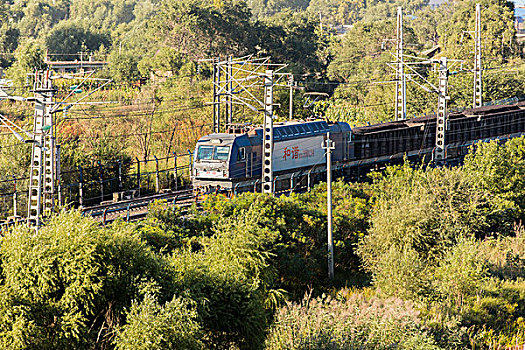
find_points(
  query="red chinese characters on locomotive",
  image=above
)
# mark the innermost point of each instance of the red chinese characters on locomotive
(287, 153)
(295, 153)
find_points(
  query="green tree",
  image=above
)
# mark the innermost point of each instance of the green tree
(29, 56)
(109, 15)
(293, 39)
(337, 12)
(36, 17)
(70, 38)
(229, 279)
(123, 67)
(360, 59)
(201, 29)
(419, 215)
(379, 10)
(497, 20)
(498, 169)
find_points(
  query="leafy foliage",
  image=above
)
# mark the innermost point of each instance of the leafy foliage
(228, 279)
(69, 38)
(151, 326)
(295, 226)
(68, 286)
(419, 215)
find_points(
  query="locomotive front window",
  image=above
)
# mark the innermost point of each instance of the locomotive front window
(205, 153)
(221, 153)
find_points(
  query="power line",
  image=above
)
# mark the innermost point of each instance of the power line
(148, 113)
(161, 131)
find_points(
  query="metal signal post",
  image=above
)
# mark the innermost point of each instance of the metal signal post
(234, 80)
(45, 159)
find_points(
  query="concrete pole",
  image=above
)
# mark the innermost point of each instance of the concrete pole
(175, 171)
(138, 176)
(329, 147)
(157, 175)
(15, 195)
(119, 175)
(101, 180)
(80, 187)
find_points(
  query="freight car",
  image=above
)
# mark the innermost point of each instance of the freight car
(232, 160)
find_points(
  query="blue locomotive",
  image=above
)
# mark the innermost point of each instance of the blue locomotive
(233, 160)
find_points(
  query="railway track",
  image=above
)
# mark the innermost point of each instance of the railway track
(137, 208)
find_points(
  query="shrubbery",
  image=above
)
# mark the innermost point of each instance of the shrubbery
(72, 284)
(349, 322)
(295, 229)
(68, 286)
(432, 241)
(151, 326)
(443, 248)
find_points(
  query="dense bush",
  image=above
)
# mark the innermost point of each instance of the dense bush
(228, 278)
(444, 238)
(447, 266)
(151, 326)
(296, 227)
(500, 170)
(68, 285)
(420, 214)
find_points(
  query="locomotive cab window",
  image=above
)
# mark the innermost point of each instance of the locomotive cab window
(221, 153)
(241, 155)
(213, 153)
(205, 153)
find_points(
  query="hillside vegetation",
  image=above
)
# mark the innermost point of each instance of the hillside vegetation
(167, 43)
(441, 251)
(425, 258)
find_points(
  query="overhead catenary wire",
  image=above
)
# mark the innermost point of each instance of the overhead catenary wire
(142, 114)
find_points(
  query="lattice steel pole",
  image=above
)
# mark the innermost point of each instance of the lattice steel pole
(267, 176)
(441, 119)
(478, 100)
(216, 96)
(401, 105)
(42, 168)
(230, 90)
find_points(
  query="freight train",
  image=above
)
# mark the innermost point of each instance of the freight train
(233, 160)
